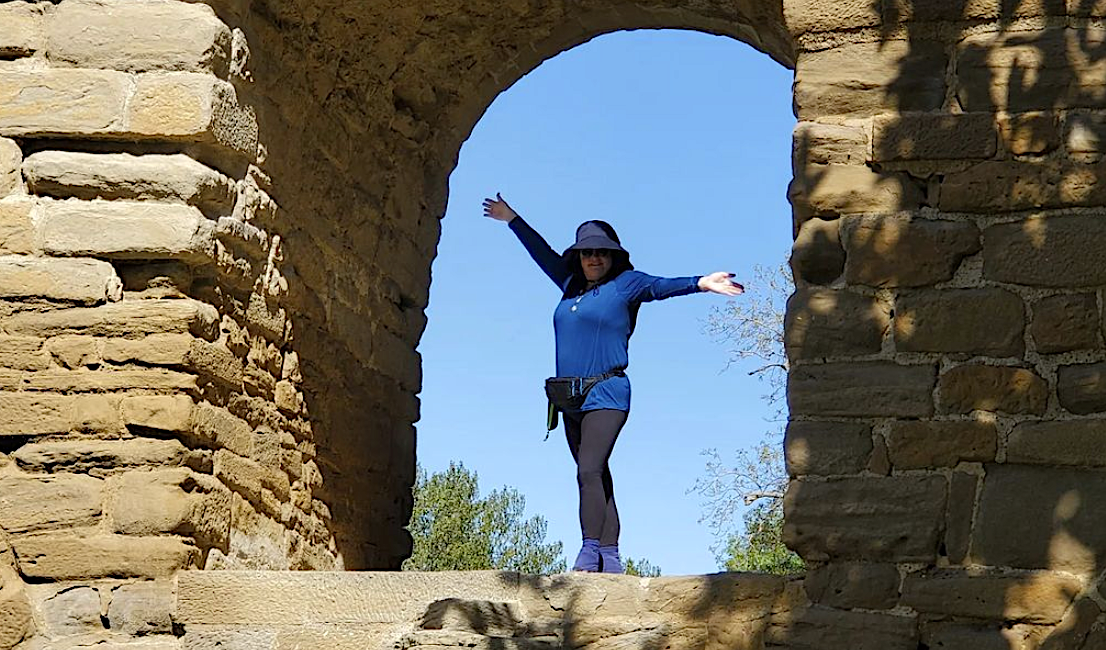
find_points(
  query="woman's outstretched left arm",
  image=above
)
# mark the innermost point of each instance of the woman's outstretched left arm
(642, 287)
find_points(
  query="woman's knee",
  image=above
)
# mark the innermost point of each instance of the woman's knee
(587, 475)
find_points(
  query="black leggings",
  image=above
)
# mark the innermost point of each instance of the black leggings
(591, 436)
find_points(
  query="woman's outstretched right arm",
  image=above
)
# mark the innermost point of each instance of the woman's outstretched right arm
(539, 250)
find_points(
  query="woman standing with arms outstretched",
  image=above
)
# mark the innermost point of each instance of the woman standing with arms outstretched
(601, 293)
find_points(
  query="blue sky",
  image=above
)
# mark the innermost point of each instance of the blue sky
(682, 141)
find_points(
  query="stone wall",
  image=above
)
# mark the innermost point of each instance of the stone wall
(216, 228)
(946, 335)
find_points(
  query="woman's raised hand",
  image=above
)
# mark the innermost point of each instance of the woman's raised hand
(721, 283)
(498, 209)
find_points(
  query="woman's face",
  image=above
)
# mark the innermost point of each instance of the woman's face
(596, 262)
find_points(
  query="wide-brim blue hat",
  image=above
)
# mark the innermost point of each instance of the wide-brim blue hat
(591, 235)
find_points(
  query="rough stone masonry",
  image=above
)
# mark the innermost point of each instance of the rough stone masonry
(216, 227)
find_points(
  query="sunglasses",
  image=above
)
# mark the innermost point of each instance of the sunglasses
(594, 252)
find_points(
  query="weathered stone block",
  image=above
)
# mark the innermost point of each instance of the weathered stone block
(826, 447)
(93, 455)
(804, 16)
(176, 501)
(125, 230)
(1066, 322)
(216, 426)
(939, 11)
(82, 281)
(905, 252)
(193, 108)
(930, 136)
(961, 515)
(1046, 251)
(815, 143)
(17, 234)
(214, 361)
(56, 557)
(16, 618)
(833, 190)
(1034, 517)
(1029, 133)
(22, 32)
(1082, 388)
(23, 353)
(142, 608)
(1039, 597)
(162, 412)
(865, 79)
(175, 177)
(72, 611)
(30, 414)
(75, 351)
(871, 389)
(1067, 442)
(155, 349)
(1012, 185)
(137, 37)
(992, 388)
(870, 519)
(827, 322)
(933, 443)
(49, 502)
(10, 159)
(1085, 132)
(125, 318)
(994, 69)
(819, 628)
(854, 585)
(96, 414)
(63, 102)
(977, 321)
(98, 381)
(817, 256)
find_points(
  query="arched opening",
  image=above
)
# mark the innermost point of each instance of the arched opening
(681, 140)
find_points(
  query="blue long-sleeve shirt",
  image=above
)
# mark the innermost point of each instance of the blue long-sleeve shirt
(592, 330)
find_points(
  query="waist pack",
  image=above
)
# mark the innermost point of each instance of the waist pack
(569, 393)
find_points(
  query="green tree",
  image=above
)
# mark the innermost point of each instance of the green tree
(453, 528)
(642, 568)
(753, 329)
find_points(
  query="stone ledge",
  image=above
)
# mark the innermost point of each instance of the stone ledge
(124, 318)
(126, 230)
(80, 281)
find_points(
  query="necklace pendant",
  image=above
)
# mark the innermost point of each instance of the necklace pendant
(573, 308)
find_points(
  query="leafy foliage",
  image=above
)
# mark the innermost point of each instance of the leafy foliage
(752, 328)
(641, 567)
(454, 529)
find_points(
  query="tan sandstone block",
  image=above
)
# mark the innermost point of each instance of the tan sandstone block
(142, 608)
(161, 412)
(1011, 185)
(826, 448)
(21, 29)
(62, 102)
(1066, 322)
(854, 585)
(815, 143)
(138, 36)
(932, 136)
(1039, 597)
(81, 281)
(832, 190)
(23, 353)
(193, 108)
(804, 16)
(861, 389)
(95, 455)
(1063, 251)
(1082, 387)
(30, 414)
(126, 230)
(156, 349)
(55, 557)
(904, 251)
(10, 159)
(249, 478)
(817, 256)
(49, 502)
(124, 318)
(217, 426)
(96, 414)
(1028, 133)
(16, 618)
(927, 444)
(175, 177)
(17, 233)
(986, 322)
(867, 79)
(828, 322)
(176, 501)
(864, 518)
(823, 628)
(940, 10)
(1071, 442)
(97, 381)
(992, 388)
(75, 351)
